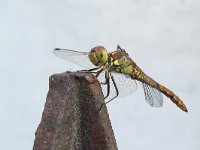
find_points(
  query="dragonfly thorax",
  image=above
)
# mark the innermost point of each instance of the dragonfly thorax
(98, 56)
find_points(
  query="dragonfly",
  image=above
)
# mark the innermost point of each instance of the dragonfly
(118, 65)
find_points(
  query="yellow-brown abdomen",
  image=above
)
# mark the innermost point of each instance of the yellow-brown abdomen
(173, 97)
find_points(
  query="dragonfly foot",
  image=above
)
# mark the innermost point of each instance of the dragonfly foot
(102, 104)
(103, 83)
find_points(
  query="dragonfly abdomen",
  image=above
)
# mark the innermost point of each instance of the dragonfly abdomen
(173, 97)
(142, 77)
(139, 75)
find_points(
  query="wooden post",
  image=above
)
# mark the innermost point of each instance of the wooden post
(71, 119)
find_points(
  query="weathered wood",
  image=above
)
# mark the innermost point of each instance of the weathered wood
(71, 119)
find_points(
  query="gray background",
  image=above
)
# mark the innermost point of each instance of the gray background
(162, 36)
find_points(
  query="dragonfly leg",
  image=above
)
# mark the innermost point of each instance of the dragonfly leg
(117, 92)
(96, 72)
(105, 82)
(90, 70)
(99, 72)
(107, 78)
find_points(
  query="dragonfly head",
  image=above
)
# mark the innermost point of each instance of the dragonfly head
(98, 56)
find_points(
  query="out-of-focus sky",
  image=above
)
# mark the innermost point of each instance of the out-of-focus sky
(162, 37)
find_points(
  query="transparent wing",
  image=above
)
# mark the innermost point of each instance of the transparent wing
(125, 85)
(152, 96)
(76, 57)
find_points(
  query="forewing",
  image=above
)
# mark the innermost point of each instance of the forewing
(153, 97)
(125, 85)
(76, 57)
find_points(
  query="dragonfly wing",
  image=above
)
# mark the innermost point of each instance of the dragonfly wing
(153, 97)
(125, 85)
(76, 57)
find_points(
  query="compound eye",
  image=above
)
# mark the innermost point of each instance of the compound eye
(93, 50)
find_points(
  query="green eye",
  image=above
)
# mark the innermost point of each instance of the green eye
(98, 56)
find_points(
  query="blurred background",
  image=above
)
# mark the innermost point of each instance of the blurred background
(162, 37)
